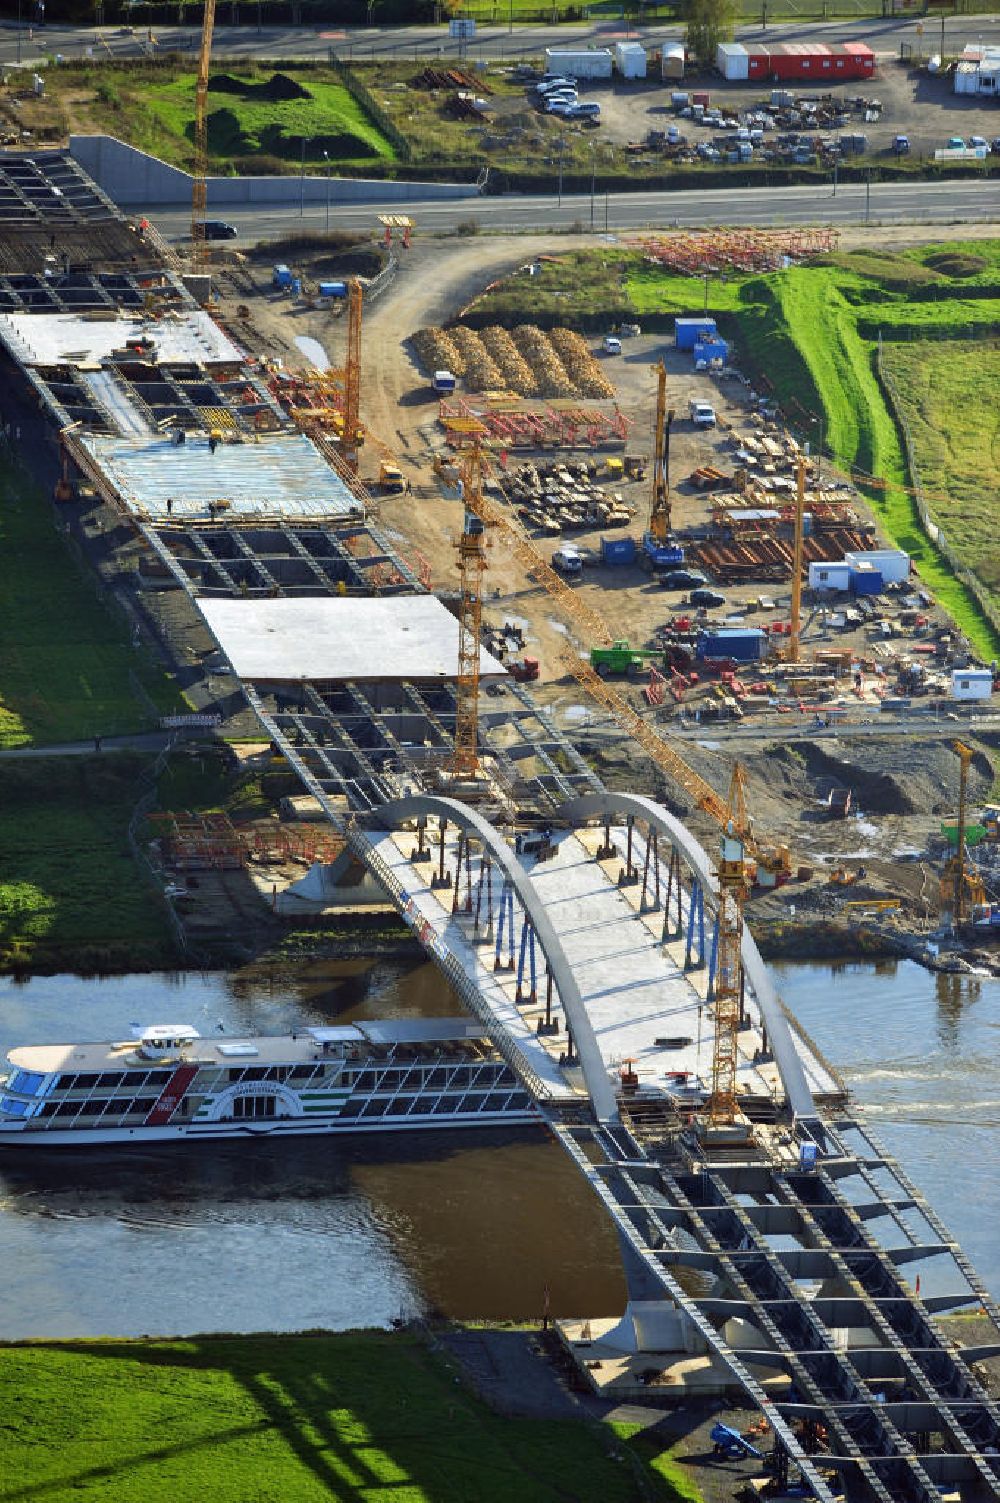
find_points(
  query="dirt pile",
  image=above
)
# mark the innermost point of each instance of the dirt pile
(276, 89)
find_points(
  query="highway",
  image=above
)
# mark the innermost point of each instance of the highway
(494, 42)
(888, 203)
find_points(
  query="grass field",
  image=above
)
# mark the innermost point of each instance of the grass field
(65, 661)
(948, 392)
(359, 1416)
(70, 895)
(151, 105)
(809, 335)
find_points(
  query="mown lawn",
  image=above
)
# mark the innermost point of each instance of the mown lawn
(292, 1419)
(70, 894)
(65, 660)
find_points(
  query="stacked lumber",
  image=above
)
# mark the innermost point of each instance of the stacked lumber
(479, 368)
(580, 366)
(517, 373)
(550, 374)
(438, 351)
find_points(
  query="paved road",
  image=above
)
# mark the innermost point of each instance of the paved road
(908, 202)
(885, 35)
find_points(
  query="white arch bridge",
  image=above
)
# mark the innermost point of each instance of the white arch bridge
(587, 950)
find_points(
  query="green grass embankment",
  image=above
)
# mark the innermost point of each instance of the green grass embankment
(65, 659)
(294, 1419)
(70, 895)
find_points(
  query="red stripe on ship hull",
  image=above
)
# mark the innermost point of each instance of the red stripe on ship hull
(172, 1095)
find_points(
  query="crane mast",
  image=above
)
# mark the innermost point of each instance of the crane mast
(659, 514)
(199, 188)
(800, 504)
(471, 548)
(351, 434)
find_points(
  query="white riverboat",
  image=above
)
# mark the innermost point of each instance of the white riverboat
(168, 1083)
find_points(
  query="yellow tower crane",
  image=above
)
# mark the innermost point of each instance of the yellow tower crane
(961, 888)
(471, 548)
(352, 434)
(732, 874)
(199, 188)
(659, 514)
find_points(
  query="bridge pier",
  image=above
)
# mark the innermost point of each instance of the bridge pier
(344, 883)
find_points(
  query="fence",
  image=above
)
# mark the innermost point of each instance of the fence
(370, 105)
(961, 570)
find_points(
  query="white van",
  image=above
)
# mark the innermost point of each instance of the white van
(612, 344)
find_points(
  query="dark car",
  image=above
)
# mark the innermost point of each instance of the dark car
(682, 579)
(707, 597)
(218, 229)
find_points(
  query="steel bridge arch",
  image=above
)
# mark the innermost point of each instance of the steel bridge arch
(595, 1072)
(607, 805)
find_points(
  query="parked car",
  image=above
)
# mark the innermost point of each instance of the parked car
(563, 107)
(901, 145)
(707, 597)
(682, 579)
(218, 229)
(956, 143)
(976, 141)
(995, 146)
(550, 85)
(588, 109)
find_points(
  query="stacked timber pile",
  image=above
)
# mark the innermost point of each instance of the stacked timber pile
(580, 365)
(517, 373)
(480, 370)
(438, 351)
(551, 376)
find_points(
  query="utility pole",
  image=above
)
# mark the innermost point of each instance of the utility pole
(868, 194)
(560, 169)
(302, 179)
(593, 175)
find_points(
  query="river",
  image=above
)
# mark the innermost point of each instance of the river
(359, 1232)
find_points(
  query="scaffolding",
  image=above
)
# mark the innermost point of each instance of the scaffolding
(511, 425)
(699, 254)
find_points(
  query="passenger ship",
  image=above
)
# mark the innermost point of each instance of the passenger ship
(169, 1083)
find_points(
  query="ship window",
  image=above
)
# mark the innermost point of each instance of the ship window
(13, 1108)
(86, 1082)
(254, 1106)
(158, 1077)
(110, 1078)
(422, 1104)
(448, 1103)
(277, 1072)
(143, 1104)
(255, 1072)
(234, 1076)
(302, 1072)
(397, 1107)
(26, 1082)
(67, 1108)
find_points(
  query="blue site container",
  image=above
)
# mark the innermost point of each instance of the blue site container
(333, 289)
(689, 331)
(742, 644)
(866, 582)
(617, 551)
(711, 349)
(297, 286)
(808, 1154)
(281, 275)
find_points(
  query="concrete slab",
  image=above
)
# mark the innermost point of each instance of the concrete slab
(55, 338)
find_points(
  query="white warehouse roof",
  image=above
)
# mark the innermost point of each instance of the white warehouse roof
(340, 639)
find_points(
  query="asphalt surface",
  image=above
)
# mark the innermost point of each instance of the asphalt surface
(913, 202)
(882, 34)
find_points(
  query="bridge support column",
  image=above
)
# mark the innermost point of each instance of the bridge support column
(463, 857)
(607, 850)
(422, 851)
(651, 868)
(675, 891)
(485, 885)
(442, 877)
(696, 928)
(548, 1025)
(628, 876)
(505, 918)
(527, 949)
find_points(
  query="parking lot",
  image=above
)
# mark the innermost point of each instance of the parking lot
(850, 118)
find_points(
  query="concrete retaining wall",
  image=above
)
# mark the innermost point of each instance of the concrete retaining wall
(134, 179)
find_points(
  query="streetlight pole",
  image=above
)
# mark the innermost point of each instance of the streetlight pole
(593, 176)
(18, 33)
(302, 179)
(560, 169)
(326, 158)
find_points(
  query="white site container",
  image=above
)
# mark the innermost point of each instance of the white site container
(732, 61)
(971, 683)
(892, 563)
(672, 61)
(630, 59)
(583, 62)
(834, 576)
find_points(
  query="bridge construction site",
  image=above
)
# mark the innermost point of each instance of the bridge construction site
(774, 1254)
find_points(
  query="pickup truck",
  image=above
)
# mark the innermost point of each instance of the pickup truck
(702, 414)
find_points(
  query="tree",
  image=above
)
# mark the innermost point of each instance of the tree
(709, 22)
